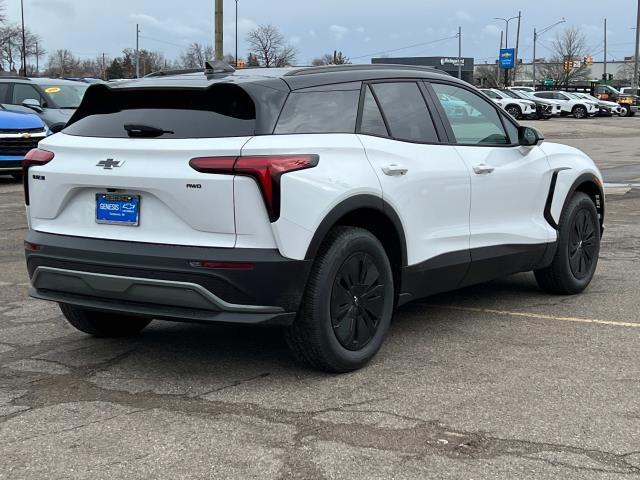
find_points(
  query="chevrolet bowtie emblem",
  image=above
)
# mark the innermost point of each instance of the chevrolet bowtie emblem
(110, 163)
(25, 135)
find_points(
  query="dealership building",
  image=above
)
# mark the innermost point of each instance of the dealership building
(446, 64)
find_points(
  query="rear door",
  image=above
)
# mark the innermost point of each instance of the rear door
(100, 159)
(423, 179)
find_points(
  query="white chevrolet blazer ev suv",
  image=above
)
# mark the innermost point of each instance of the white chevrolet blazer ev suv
(314, 199)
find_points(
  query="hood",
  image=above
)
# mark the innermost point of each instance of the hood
(19, 121)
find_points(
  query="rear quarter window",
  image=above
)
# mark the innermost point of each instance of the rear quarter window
(332, 111)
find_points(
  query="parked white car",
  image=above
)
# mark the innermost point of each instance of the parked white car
(571, 104)
(313, 199)
(516, 107)
(606, 108)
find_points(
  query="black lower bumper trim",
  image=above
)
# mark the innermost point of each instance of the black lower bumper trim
(164, 312)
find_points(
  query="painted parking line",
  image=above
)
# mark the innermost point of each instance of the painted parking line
(539, 316)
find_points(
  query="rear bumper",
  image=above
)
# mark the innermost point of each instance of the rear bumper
(159, 281)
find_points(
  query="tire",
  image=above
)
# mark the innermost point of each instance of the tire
(632, 114)
(102, 324)
(342, 323)
(580, 112)
(625, 111)
(514, 111)
(576, 258)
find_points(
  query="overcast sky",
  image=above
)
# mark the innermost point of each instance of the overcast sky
(357, 27)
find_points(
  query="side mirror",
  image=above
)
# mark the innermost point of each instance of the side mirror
(57, 127)
(33, 104)
(529, 137)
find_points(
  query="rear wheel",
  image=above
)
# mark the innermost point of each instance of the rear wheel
(348, 303)
(103, 324)
(580, 112)
(578, 249)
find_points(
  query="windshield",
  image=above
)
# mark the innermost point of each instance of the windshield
(511, 93)
(66, 96)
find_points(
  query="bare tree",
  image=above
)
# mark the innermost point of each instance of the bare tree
(335, 58)
(196, 55)
(11, 46)
(568, 45)
(625, 71)
(487, 76)
(62, 63)
(269, 47)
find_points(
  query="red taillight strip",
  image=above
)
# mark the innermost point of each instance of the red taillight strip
(265, 169)
(33, 157)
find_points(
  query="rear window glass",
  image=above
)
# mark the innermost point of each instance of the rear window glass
(320, 112)
(223, 111)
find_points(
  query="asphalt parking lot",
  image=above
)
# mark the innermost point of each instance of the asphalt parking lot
(497, 381)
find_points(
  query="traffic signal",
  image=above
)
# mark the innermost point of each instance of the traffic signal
(588, 60)
(568, 64)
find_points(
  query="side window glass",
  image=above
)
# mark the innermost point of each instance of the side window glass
(4, 89)
(372, 122)
(406, 112)
(320, 112)
(474, 119)
(22, 92)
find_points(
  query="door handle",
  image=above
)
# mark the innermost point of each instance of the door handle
(483, 169)
(394, 170)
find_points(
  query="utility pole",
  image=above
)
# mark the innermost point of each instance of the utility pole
(536, 35)
(605, 49)
(236, 57)
(24, 42)
(104, 67)
(635, 69)
(37, 61)
(460, 53)
(137, 51)
(219, 21)
(515, 62)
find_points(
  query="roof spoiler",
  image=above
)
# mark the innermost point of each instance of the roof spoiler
(218, 66)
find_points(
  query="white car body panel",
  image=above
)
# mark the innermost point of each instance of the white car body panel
(570, 163)
(309, 195)
(508, 204)
(158, 170)
(527, 107)
(568, 104)
(432, 199)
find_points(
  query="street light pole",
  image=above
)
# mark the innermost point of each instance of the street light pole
(24, 42)
(236, 34)
(137, 50)
(635, 68)
(536, 34)
(506, 43)
(219, 25)
(460, 53)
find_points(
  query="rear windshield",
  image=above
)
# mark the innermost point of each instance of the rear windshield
(222, 111)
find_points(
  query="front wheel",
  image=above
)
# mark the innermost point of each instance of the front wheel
(347, 306)
(580, 112)
(576, 258)
(514, 111)
(103, 324)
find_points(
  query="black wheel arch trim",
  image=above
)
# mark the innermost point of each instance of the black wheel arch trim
(585, 178)
(357, 202)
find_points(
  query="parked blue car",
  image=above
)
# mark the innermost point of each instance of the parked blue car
(19, 133)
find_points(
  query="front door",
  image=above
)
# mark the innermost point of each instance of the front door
(509, 184)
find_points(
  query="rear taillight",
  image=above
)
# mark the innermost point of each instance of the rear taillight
(33, 157)
(265, 169)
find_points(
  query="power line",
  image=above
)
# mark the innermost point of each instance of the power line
(163, 41)
(404, 48)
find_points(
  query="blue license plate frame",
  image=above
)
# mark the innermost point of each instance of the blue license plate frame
(118, 209)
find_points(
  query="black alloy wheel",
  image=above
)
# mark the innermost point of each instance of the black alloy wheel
(514, 111)
(582, 244)
(357, 302)
(580, 112)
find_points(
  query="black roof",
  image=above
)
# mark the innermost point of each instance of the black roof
(293, 78)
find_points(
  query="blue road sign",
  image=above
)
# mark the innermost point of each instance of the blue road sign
(507, 57)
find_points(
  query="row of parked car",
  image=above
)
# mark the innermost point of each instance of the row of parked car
(526, 103)
(31, 109)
